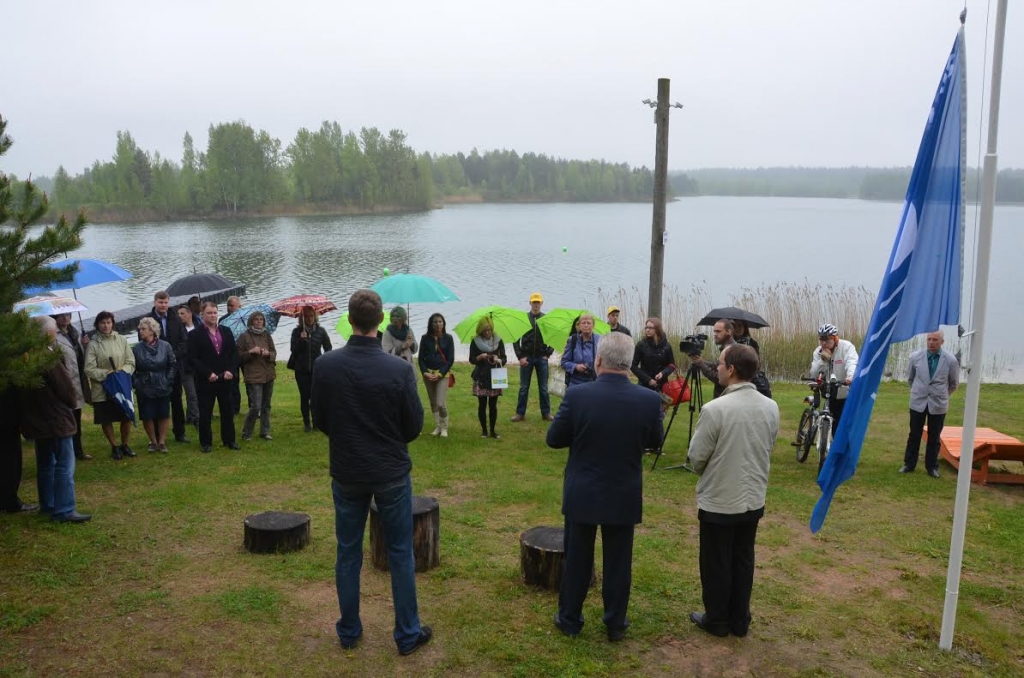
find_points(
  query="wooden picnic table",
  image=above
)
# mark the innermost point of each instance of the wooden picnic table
(989, 444)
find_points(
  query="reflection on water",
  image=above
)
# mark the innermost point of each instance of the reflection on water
(498, 254)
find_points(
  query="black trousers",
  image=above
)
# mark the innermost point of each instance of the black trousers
(207, 396)
(10, 467)
(487, 403)
(617, 547)
(305, 382)
(76, 441)
(727, 574)
(835, 406)
(931, 449)
(177, 411)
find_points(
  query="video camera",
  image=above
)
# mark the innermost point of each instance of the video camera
(693, 344)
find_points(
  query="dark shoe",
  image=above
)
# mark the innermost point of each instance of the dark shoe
(266, 436)
(307, 428)
(548, 417)
(484, 434)
(246, 438)
(162, 448)
(518, 418)
(739, 632)
(615, 635)
(181, 439)
(83, 457)
(20, 507)
(494, 434)
(206, 448)
(115, 453)
(426, 633)
(127, 451)
(72, 517)
(153, 447)
(700, 619)
(933, 472)
(350, 644)
(906, 469)
(233, 446)
(566, 631)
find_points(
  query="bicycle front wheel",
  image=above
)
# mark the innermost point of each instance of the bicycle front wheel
(824, 442)
(805, 435)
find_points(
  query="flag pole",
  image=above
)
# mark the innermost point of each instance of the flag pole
(975, 357)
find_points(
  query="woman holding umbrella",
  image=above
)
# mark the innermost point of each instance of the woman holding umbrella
(258, 355)
(487, 351)
(398, 338)
(109, 352)
(653, 360)
(155, 366)
(309, 342)
(437, 354)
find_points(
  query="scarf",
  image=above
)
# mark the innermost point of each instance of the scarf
(485, 345)
(399, 334)
(257, 332)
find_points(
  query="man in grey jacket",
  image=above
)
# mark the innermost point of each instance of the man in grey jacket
(933, 374)
(731, 451)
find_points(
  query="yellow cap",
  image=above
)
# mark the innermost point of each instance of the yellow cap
(612, 309)
(536, 296)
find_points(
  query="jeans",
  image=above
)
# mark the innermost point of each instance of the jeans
(55, 475)
(188, 384)
(259, 408)
(394, 504)
(540, 364)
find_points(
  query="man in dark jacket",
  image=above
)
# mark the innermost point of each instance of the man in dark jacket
(367, 403)
(723, 339)
(48, 419)
(174, 333)
(533, 355)
(606, 424)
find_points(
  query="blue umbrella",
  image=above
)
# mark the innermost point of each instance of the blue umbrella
(90, 272)
(238, 322)
(408, 288)
(118, 386)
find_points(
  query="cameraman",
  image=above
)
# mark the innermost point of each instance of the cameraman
(580, 352)
(723, 339)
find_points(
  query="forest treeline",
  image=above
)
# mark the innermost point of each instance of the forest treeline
(864, 183)
(243, 170)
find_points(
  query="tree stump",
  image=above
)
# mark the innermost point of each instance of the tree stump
(542, 557)
(426, 535)
(276, 532)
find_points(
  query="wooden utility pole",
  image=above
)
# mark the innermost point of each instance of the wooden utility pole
(661, 110)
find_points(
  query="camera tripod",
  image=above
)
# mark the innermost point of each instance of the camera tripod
(693, 382)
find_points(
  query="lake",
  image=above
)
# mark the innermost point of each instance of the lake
(577, 255)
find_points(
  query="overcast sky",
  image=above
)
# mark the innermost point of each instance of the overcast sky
(787, 82)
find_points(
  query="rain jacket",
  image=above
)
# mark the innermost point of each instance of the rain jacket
(98, 354)
(155, 367)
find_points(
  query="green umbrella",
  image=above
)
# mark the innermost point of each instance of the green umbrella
(557, 324)
(509, 323)
(345, 330)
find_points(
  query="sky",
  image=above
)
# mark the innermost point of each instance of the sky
(781, 83)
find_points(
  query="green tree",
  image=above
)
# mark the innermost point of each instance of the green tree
(23, 350)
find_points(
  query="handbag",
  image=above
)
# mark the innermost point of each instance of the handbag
(675, 391)
(499, 377)
(556, 382)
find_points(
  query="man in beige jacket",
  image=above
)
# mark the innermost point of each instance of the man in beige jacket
(731, 451)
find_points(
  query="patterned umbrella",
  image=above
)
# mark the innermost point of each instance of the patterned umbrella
(50, 306)
(292, 306)
(407, 288)
(238, 322)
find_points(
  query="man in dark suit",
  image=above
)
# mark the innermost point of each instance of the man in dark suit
(173, 331)
(606, 424)
(214, 358)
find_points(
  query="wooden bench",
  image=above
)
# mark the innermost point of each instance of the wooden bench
(989, 444)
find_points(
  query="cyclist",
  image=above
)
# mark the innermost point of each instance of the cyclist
(834, 356)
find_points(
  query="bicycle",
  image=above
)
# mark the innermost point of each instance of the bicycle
(816, 422)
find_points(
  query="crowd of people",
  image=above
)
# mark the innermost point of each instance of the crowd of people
(365, 398)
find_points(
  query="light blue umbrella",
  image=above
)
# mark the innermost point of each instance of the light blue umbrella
(238, 322)
(90, 272)
(408, 288)
(47, 305)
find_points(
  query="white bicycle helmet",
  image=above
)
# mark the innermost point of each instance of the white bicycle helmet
(827, 330)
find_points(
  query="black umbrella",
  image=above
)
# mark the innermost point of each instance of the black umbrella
(733, 313)
(199, 283)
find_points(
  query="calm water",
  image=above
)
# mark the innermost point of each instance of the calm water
(498, 254)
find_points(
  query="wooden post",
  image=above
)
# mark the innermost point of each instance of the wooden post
(426, 535)
(660, 197)
(276, 532)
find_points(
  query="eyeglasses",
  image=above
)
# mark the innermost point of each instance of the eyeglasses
(648, 327)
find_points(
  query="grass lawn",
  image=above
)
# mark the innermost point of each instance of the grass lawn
(159, 583)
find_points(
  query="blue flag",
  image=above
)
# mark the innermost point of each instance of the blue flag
(921, 286)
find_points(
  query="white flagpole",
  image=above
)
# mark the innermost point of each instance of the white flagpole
(975, 361)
